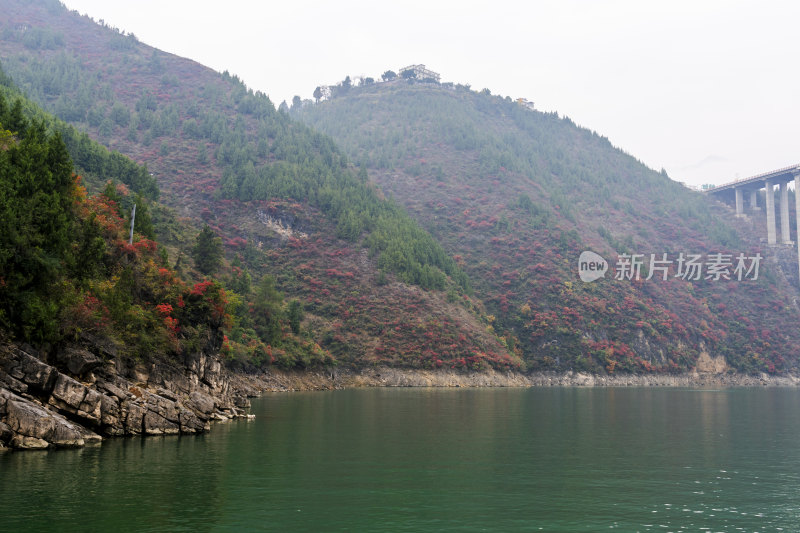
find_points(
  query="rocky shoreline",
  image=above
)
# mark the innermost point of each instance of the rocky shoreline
(278, 381)
(80, 397)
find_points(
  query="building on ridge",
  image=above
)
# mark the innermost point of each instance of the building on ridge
(421, 73)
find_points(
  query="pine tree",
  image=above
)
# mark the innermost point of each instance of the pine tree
(207, 252)
(267, 311)
(36, 194)
(295, 315)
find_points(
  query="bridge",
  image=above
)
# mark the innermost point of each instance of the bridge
(734, 193)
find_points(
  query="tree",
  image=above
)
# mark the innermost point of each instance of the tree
(408, 74)
(143, 224)
(368, 81)
(120, 115)
(317, 94)
(267, 311)
(207, 252)
(297, 103)
(16, 121)
(36, 196)
(389, 75)
(295, 315)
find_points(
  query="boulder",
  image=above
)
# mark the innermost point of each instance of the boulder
(134, 415)
(110, 414)
(11, 383)
(32, 423)
(30, 370)
(190, 423)
(22, 442)
(163, 407)
(114, 390)
(169, 395)
(5, 433)
(202, 403)
(78, 361)
(155, 424)
(73, 397)
(90, 437)
(241, 401)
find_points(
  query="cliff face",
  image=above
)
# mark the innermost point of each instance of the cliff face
(75, 397)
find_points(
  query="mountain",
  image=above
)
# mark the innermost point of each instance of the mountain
(410, 223)
(370, 285)
(515, 195)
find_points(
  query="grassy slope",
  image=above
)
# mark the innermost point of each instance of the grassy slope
(465, 164)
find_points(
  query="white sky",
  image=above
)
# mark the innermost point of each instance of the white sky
(707, 89)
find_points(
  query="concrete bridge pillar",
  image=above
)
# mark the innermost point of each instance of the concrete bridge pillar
(797, 212)
(771, 233)
(754, 200)
(739, 201)
(786, 237)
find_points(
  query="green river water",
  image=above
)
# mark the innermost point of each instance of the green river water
(561, 459)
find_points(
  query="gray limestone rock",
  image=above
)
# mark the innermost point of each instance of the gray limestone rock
(28, 421)
(30, 370)
(134, 415)
(5, 432)
(78, 361)
(11, 383)
(202, 403)
(155, 424)
(73, 397)
(121, 397)
(22, 442)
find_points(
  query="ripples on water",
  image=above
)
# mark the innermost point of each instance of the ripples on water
(437, 460)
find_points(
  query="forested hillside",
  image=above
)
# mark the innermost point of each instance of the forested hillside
(334, 263)
(68, 272)
(516, 195)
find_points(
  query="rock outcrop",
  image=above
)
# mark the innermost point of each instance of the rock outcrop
(75, 397)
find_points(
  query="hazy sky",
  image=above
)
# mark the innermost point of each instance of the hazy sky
(707, 90)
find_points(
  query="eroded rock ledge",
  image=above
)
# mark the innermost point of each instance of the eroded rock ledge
(81, 397)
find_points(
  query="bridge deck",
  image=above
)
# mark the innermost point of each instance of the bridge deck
(782, 174)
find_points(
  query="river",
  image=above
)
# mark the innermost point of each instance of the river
(550, 459)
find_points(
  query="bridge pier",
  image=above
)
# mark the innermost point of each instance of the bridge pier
(754, 200)
(771, 233)
(797, 212)
(739, 201)
(786, 237)
(735, 190)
